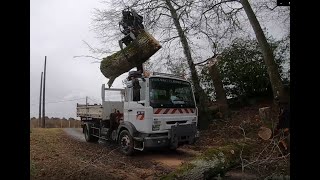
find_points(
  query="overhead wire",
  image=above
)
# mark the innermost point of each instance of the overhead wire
(59, 101)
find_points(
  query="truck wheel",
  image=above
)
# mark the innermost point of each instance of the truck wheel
(172, 149)
(89, 137)
(174, 144)
(126, 143)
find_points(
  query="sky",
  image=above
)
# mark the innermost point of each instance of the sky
(57, 31)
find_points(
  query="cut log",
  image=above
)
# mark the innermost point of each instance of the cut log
(213, 162)
(133, 55)
(265, 133)
(265, 114)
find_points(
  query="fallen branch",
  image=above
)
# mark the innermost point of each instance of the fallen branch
(214, 162)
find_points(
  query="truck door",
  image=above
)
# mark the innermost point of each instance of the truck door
(136, 107)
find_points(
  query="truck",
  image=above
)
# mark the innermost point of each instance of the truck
(157, 110)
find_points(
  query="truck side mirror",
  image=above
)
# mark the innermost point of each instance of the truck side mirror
(141, 102)
(136, 90)
(136, 84)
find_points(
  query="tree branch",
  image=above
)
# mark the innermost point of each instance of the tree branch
(179, 6)
(214, 56)
(88, 57)
(221, 2)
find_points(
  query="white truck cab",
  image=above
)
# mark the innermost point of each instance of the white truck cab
(154, 111)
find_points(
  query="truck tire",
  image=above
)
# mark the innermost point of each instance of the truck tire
(88, 136)
(174, 144)
(173, 149)
(126, 143)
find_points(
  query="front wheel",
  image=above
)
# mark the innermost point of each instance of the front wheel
(126, 143)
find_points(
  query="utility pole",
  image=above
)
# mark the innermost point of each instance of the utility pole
(44, 94)
(39, 119)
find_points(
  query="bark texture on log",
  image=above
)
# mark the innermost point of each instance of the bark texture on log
(208, 165)
(265, 114)
(136, 53)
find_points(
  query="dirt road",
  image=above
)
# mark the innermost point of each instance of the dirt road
(75, 133)
(64, 154)
(166, 158)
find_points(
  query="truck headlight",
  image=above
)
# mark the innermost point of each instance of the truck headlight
(156, 122)
(155, 127)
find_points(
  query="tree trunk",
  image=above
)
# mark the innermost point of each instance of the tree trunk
(133, 55)
(268, 123)
(274, 75)
(211, 163)
(218, 87)
(199, 92)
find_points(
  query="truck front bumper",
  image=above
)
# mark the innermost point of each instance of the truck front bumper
(178, 134)
(156, 142)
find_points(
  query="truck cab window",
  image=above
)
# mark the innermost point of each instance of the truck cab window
(170, 93)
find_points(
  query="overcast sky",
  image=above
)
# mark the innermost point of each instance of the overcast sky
(57, 30)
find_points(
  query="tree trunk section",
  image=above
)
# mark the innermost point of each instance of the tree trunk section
(274, 75)
(218, 86)
(199, 92)
(133, 55)
(265, 114)
(211, 163)
(265, 133)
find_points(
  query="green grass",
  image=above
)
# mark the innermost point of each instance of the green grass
(32, 169)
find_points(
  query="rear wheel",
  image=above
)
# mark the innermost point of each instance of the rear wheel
(126, 143)
(88, 136)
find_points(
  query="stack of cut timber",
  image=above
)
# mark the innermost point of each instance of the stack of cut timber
(136, 53)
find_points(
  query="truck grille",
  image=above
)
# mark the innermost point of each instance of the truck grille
(173, 122)
(158, 134)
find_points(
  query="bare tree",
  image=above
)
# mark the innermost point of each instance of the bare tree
(188, 27)
(200, 94)
(275, 78)
(219, 6)
(164, 18)
(218, 86)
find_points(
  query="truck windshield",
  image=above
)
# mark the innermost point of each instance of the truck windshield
(170, 93)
